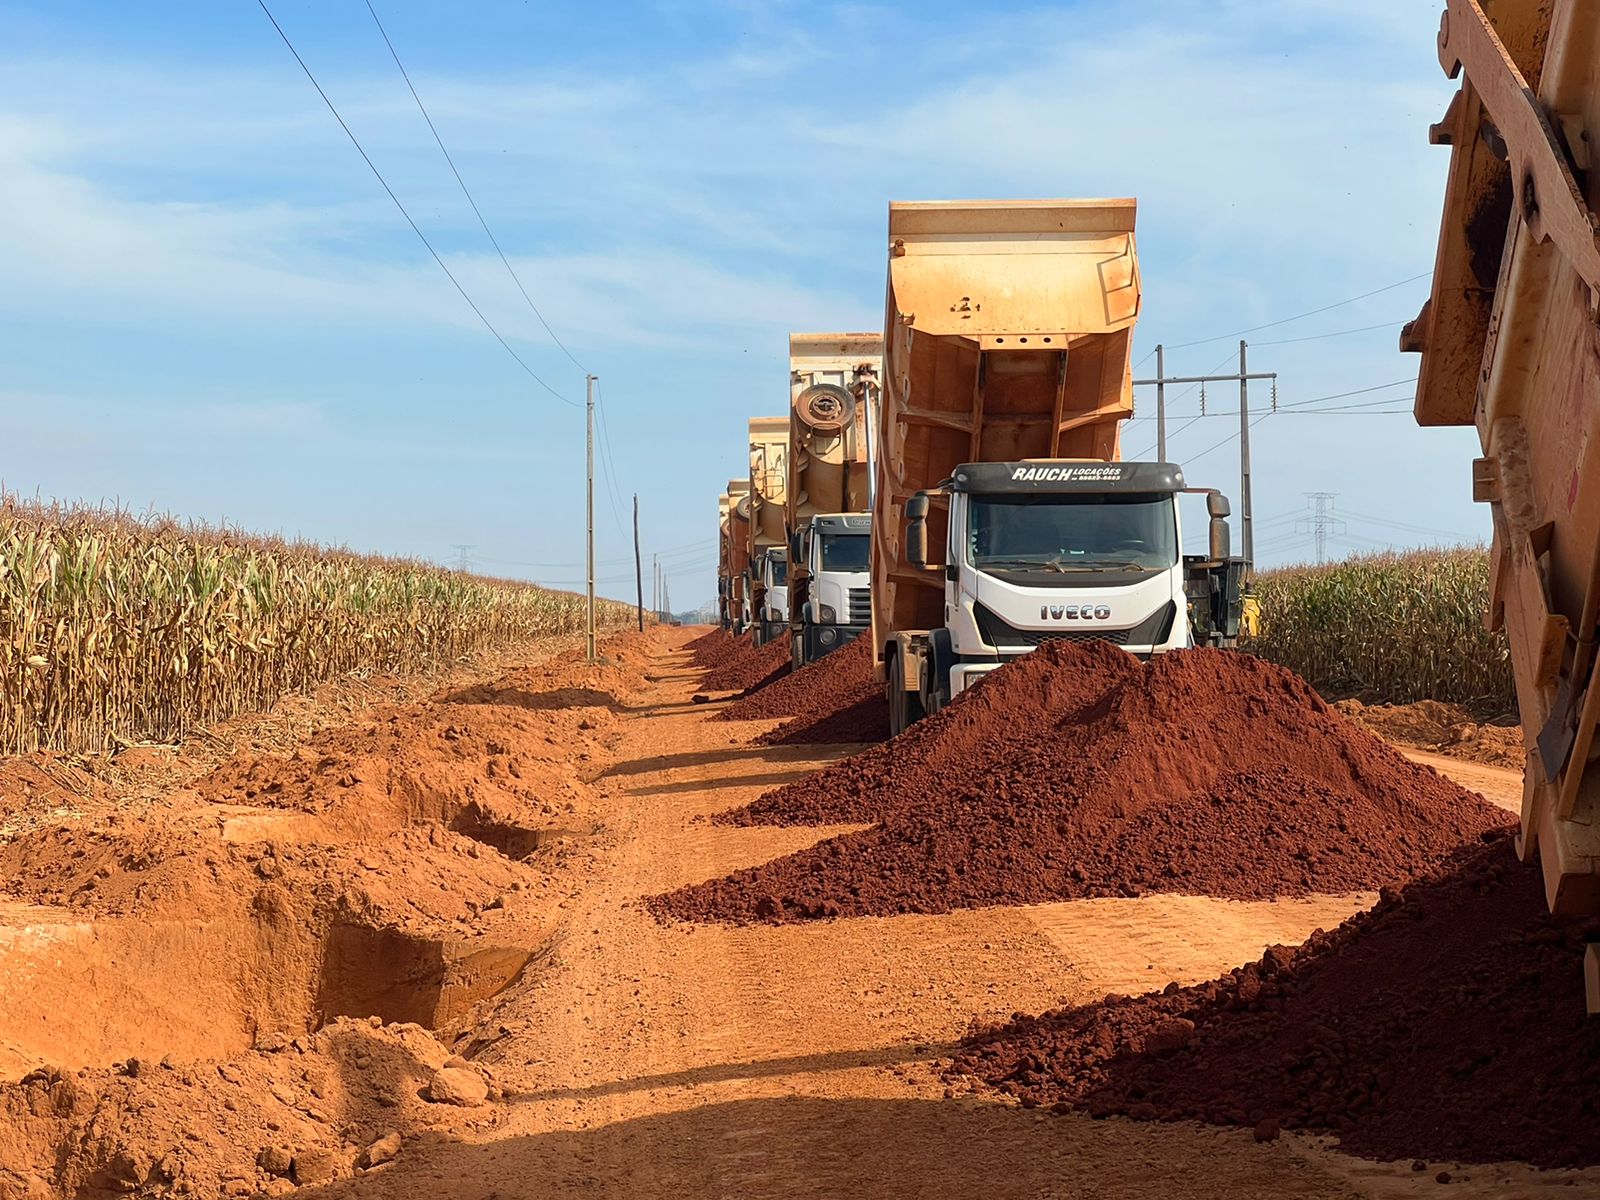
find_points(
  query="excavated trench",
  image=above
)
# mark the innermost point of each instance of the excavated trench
(197, 989)
(260, 957)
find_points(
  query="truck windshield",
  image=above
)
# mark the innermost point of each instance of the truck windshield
(780, 571)
(1073, 532)
(845, 551)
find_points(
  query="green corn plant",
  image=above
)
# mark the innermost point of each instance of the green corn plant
(1392, 627)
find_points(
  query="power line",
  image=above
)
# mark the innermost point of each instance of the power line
(613, 497)
(1405, 527)
(465, 191)
(1317, 337)
(1377, 387)
(1300, 316)
(1187, 391)
(1192, 458)
(415, 228)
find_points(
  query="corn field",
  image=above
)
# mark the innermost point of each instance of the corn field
(1393, 628)
(120, 629)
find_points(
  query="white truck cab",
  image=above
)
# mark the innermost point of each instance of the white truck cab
(1045, 550)
(774, 593)
(836, 549)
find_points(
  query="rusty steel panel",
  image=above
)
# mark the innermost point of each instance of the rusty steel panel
(1007, 333)
(1526, 371)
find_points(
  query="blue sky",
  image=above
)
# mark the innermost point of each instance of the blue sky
(213, 310)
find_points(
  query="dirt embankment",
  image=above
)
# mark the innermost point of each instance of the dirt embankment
(1078, 771)
(185, 990)
(1442, 729)
(1447, 1023)
(834, 700)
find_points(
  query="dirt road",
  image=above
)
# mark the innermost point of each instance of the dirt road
(643, 1059)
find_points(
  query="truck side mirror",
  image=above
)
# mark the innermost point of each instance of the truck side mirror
(1217, 505)
(917, 530)
(1219, 535)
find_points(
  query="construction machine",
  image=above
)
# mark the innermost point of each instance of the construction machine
(1510, 343)
(1002, 516)
(766, 557)
(833, 385)
(724, 590)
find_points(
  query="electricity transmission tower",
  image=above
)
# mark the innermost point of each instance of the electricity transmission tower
(463, 561)
(1321, 521)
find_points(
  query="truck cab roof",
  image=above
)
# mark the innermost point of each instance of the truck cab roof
(842, 523)
(1065, 475)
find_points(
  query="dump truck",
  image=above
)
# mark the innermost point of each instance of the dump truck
(738, 554)
(767, 557)
(724, 573)
(833, 385)
(1002, 516)
(1509, 343)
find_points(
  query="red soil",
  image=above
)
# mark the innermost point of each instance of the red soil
(1447, 1023)
(1078, 771)
(833, 700)
(748, 668)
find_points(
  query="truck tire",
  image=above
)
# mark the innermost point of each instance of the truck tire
(905, 708)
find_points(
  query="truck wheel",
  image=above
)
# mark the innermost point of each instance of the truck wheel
(904, 707)
(797, 651)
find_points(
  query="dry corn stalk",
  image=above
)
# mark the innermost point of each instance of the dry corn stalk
(115, 628)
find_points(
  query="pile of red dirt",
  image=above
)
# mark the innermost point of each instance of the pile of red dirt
(749, 668)
(711, 650)
(1447, 1023)
(1442, 728)
(1079, 771)
(833, 700)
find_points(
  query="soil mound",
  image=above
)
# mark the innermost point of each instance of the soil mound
(863, 717)
(505, 758)
(1078, 771)
(326, 1106)
(750, 667)
(713, 649)
(1442, 728)
(834, 700)
(1446, 1023)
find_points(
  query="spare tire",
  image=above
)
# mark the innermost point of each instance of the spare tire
(825, 407)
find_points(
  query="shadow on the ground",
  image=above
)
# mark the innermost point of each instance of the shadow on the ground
(833, 1060)
(806, 1148)
(802, 755)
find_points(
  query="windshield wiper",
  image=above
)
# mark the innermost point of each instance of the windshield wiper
(1031, 564)
(1117, 564)
(1064, 567)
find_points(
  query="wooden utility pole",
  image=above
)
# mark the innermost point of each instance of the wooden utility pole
(638, 564)
(589, 615)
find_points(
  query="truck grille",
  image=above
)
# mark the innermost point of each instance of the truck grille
(1001, 635)
(1117, 637)
(860, 606)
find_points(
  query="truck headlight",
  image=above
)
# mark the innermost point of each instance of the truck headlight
(826, 615)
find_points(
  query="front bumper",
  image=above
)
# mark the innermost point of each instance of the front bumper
(818, 641)
(964, 674)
